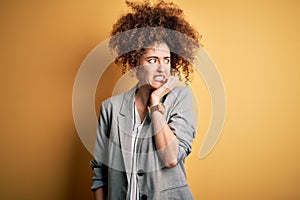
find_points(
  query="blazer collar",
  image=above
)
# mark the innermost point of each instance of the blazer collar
(127, 103)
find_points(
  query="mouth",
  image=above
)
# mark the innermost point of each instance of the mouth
(159, 78)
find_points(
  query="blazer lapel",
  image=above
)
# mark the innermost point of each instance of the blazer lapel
(125, 126)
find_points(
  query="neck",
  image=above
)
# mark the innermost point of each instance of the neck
(142, 95)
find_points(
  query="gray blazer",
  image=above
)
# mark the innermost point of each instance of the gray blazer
(112, 158)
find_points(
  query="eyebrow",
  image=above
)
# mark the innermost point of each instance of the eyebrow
(157, 57)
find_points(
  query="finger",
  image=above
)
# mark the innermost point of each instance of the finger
(163, 91)
(171, 82)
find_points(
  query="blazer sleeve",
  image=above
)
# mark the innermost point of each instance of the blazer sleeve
(181, 120)
(98, 164)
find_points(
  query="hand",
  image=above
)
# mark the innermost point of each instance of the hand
(157, 94)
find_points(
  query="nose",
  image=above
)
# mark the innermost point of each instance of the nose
(161, 67)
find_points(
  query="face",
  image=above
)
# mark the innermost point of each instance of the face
(154, 66)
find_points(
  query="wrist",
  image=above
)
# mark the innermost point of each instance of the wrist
(158, 107)
(154, 101)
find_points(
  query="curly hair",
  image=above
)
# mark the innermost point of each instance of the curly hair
(148, 24)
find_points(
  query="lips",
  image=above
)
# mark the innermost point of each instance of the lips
(159, 78)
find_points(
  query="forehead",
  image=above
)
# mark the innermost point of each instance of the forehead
(160, 49)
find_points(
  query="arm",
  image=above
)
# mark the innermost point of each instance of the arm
(98, 194)
(181, 120)
(165, 140)
(100, 156)
(174, 137)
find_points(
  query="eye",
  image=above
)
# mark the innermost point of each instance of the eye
(167, 60)
(152, 60)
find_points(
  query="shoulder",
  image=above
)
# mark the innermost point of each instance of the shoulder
(181, 91)
(112, 101)
(178, 95)
(116, 101)
(119, 98)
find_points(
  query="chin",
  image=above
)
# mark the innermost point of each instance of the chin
(156, 85)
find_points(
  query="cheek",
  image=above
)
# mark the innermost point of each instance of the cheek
(168, 70)
(142, 74)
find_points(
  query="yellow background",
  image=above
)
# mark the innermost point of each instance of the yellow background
(255, 45)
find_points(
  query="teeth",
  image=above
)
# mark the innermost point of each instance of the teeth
(159, 78)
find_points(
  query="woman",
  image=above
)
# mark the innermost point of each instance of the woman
(145, 134)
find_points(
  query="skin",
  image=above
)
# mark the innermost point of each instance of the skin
(98, 194)
(155, 82)
(153, 73)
